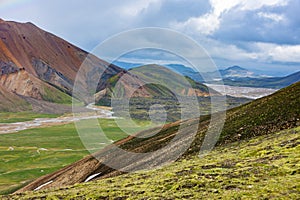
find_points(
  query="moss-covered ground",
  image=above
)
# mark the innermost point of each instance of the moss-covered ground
(264, 167)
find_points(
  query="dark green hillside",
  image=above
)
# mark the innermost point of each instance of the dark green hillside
(264, 116)
(156, 81)
(164, 76)
(267, 115)
(160, 86)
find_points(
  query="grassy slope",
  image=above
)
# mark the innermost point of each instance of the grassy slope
(265, 116)
(161, 82)
(164, 76)
(264, 167)
(26, 162)
(55, 95)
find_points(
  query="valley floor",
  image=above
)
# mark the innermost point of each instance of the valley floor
(29, 154)
(246, 92)
(265, 167)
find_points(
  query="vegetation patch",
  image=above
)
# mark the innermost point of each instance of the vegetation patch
(56, 96)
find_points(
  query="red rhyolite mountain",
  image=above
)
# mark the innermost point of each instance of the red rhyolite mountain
(32, 59)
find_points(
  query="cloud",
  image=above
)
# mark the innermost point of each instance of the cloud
(279, 53)
(206, 24)
(233, 31)
(210, 22)
(134, 8)
(272, 16)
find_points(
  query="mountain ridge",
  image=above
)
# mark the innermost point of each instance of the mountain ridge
(232, 76)
(268, 82)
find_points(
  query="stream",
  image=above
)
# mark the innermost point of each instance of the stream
(40, 122)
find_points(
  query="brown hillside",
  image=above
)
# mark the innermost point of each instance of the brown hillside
(47, 57)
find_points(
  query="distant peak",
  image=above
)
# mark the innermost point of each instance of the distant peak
(152, 65)
(235, 67)
(1, 20)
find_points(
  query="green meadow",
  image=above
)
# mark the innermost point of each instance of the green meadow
(31, 153)
(11, 117)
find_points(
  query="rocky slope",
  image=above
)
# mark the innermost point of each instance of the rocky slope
(31, 58)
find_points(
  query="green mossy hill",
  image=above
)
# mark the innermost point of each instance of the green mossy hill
(264, 167)
(158, 81)
(264, 116)
(54, 95)
(163, 76)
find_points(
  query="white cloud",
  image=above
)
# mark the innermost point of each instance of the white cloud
(254, 5)
(272, 16)
(221, 6)
(205, 24)
(134, 8)
(280, 53)
(228, 29)
(217, 49)
(208, 23)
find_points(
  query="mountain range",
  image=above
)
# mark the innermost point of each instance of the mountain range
(267, 82)
(232, 76)
(35, 64)
(238, 76)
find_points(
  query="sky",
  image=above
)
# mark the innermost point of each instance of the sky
(259, 35)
